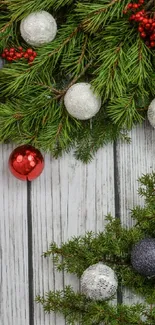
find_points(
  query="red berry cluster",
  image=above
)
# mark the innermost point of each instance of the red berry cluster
(146, 24)
(13, 54)
(134, 6)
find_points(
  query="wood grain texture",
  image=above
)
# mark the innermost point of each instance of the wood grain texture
(68, 199)
(133, 160)
(14, 306)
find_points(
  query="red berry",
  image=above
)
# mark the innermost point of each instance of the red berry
(34, 54)
(145, 21)
(135, 5)
(152, 37)
(152, 44)
(29, 51)
(138, 15)
(12, 49)
(129, 6)
(141, 12)
(143, 34)
(147, 26)
(26, 55)
(18, 55)
(11, 54)
(141, 29)
(20, 48)
(31, 58)
(9, 58)
(150, 21)
(3, 55)
(132, 17)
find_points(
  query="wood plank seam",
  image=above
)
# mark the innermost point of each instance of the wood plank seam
(117, 206)
(30, 255)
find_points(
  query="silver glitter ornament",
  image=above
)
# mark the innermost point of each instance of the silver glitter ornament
(99, 282)
(143, 257)
(151, 113)
(81, 102)
(38, 28)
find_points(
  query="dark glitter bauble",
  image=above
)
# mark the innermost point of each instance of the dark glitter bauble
(143, 257)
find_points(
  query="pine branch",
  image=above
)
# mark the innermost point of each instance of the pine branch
(75, 31)
(95, 43)
(63, 92)
(76, 308)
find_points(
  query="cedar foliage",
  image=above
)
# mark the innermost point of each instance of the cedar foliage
(113, 247)
(95, 43)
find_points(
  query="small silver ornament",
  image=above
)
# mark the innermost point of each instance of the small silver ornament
(99, 282)
(81, 102)
(38, 28)
(151, 113)
(143, 257)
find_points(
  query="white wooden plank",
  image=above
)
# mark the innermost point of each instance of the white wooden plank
(134, 160)
(68, 199)
(14, 305)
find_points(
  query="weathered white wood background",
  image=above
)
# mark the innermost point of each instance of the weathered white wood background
(68, 199)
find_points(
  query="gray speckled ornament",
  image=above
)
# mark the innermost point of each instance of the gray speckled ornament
(143, 257)
(2, 63)
(81, 102)
(38, 28)
(99, 282)
(151, 113)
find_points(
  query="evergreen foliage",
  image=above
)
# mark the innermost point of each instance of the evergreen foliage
(95, 43)
(112, 247)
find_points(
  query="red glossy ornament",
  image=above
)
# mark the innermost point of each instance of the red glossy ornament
(26, 163)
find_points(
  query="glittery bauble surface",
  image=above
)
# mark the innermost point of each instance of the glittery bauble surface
(151, 113)
(2, 63)
(99, 282)
(143, 257)
(26, 163)
(81, 102)
(38, 28)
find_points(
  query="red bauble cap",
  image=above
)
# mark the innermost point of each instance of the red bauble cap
(26, 163)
